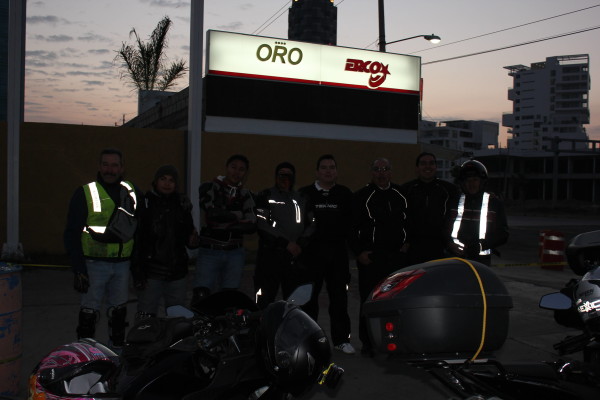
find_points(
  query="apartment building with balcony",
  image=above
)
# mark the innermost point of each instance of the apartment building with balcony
(550, 99)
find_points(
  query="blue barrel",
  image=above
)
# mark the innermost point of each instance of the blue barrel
(11, 300)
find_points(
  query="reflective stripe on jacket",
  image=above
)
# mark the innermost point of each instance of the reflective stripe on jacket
(483, 218)
(100, 208)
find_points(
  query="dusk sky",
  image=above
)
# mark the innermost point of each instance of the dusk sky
(71, 44)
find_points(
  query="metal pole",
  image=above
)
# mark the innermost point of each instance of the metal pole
(555, 143)
(195, 109)
(12, 249)
(381, 27)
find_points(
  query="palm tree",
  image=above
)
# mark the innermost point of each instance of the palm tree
(144, 64)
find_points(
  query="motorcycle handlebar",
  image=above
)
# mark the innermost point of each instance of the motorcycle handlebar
(573, 344)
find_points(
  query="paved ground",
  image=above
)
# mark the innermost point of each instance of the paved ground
(50, 309)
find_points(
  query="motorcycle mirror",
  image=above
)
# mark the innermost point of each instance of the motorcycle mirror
(179, 311)
(301, 295)
(556, 301)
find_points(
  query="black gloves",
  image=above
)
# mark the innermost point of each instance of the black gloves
(81, 283)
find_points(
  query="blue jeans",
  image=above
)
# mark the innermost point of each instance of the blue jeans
(172, 291)
(106, 278)
(219, 268)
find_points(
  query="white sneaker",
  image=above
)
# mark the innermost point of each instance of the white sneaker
(345, 348)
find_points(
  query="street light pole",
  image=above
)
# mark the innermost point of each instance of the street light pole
(381, 27)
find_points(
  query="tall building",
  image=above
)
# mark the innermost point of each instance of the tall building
(550, 99)
(313, 21)
(3, 57)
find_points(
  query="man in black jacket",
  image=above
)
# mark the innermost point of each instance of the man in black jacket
(429, 200)
(285, 225)
(328, 251)
(378, 234)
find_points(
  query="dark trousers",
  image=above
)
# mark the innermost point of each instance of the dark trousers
(330, 264)
(425, 249)
(368, 277)
(276, 267)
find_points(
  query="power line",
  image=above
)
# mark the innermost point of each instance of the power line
(494, 32)
(506, 29)
(281, 11)
(514, 45)
(258, 30)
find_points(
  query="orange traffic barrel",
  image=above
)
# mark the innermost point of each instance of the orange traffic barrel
(10, 328)
(552, 254)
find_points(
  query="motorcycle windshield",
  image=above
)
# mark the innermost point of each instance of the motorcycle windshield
(294, 330)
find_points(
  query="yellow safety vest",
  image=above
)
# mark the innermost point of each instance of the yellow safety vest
(100, 209)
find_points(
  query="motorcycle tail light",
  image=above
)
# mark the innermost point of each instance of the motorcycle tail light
(392, 346)
(389, 326)
(396, 283)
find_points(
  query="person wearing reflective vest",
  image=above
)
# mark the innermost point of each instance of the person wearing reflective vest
(477, 222)
(101, 250)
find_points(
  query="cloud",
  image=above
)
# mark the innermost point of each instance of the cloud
(236, 25)
(167, 3)
(46, 19)
(81, 73)
(40, 58)
(75, 65)
(99, 51)
(92, 37)
(247, 6)
(59, 38)
(94, 83)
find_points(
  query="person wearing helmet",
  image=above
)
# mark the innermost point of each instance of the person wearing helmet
(477, 221)
(285, 226)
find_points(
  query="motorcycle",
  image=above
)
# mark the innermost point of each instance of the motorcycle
(224, 349)
(448, 317)
(578, 303)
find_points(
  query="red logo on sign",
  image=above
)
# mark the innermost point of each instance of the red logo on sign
(377, 70)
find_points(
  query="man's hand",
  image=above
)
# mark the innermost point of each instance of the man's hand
(457, 249)
(81, 283)
(294, 249)
(363, 258)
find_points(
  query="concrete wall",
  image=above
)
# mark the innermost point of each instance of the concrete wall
(55, 159)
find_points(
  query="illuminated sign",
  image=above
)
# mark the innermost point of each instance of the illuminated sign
(233, 54)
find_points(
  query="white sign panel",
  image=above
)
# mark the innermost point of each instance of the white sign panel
(258, 57)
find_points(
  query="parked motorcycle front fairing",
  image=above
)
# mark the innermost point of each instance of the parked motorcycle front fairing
(578, 304)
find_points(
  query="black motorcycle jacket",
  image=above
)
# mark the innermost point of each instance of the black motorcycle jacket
(283, 217)
(428, 203)
(379, 219)
(332, 210)
(166, 227)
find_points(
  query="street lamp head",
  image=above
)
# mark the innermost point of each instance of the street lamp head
(431, 38)
(435, 39)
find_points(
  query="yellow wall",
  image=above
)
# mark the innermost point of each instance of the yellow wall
(55, 159)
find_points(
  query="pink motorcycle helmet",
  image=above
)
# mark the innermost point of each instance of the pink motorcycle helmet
(80, 370)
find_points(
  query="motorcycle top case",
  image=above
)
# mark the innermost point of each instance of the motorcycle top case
(435, 310)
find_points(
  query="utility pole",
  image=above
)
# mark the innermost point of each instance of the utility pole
(12, 249)
(195, 109)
